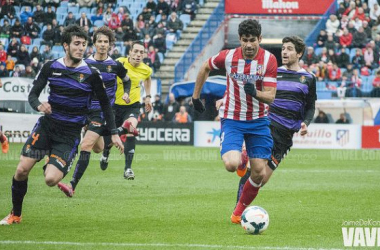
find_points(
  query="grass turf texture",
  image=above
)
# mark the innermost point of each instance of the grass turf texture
(182, 198)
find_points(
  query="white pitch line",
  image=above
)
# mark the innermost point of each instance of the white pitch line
(163, 245)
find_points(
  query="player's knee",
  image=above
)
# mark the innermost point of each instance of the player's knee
(51, 181)
(86, 146)
(21, 173)
(258, 175)
(97, 150)
(231, 165)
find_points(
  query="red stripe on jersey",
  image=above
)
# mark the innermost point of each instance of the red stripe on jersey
(270, 84)
(249, 112)
(235, 62)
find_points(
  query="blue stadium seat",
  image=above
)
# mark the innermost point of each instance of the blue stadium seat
(158, 18)
(42, 48)
(318, 51)
(73, 9)
(37, 41)
(85, 10)
(17, 9)
(30, 49)
(24, 7)
(58, 48)
(61, 54)
(93, 10)
(42, 30)
(99, 23)
(64, 4)
(61, 18)
(61, 10)
(352, 54)
(321, 86)
(119, 43)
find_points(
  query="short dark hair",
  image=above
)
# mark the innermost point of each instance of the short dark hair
(136, 42)
(250, 27)
(73, 30)
(299, 44)
(104, 30)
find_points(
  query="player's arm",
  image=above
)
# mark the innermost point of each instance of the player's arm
(39, 84)
(122, 73)
(148, 103)
(267, 95)
(200, 81)
(100, 91)
(310, 102)
(202, 76)
(268, 92)
(215, 62)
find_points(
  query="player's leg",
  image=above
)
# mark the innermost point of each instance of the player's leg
(119, 119)
(60, 162)
(259, 148)
(32, 152)
(19, 190)
(129, 151)
(99, 145)
(231, 140)
(4, 143)
(89, 140)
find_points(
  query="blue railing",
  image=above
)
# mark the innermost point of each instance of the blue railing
(195, 48)
(312, 37)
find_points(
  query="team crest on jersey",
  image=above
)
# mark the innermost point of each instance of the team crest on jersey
(81, 77)
(259, 69)
(109, 68)
(303, 79)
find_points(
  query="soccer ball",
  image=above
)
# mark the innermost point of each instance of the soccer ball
(255, 220)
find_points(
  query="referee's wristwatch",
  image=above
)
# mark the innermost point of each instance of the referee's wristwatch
(149, 96)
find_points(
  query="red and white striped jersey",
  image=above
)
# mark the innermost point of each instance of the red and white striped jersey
(262, 71)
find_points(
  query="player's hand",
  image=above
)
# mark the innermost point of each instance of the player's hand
(303, 130)
(1, 84)
(148, 104)
(45, 108)
(219, 103)
(198, 105)
(126, 98)
(117, 143)
(250, 89)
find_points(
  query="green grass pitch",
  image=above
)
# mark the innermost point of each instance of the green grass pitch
(182, 198)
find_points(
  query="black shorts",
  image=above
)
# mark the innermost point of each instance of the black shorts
(123, 112)
(282, 142)
(54, 139)
(97, 123)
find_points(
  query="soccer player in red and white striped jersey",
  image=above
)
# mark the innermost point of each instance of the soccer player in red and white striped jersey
(251, 87)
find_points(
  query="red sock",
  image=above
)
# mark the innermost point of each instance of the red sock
(3, 138)
(250, 191)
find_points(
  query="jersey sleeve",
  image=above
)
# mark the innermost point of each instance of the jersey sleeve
(39, 84)
(310, 101)
(121, 71)
(149, 73)
(218, 61)
(270, 77)
(100, 91)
